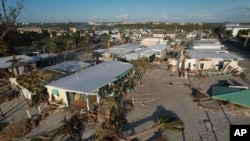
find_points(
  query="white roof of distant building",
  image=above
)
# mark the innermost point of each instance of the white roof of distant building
(69, 66)
(43, 56)
(120, 50)
(92, 78)
(210, 50)
(152, 39)
(199, 55)
(148, 53)
(207, 41)
(129, 46)
(158, 47)
(138, 52)
(100, 50)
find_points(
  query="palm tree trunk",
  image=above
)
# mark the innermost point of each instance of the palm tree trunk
(65, 54)
(155, 128)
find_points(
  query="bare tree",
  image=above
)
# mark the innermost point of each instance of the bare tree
(8, 18)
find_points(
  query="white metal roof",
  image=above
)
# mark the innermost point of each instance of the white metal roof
(198, 55)
(92, 78)
(69, 66)
(148, 53)
(120, 50)
(158, 47)
(153, 39)
(43, 56)
(129, 46)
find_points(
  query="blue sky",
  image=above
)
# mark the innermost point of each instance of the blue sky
(135, 10)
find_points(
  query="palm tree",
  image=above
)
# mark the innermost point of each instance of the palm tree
(140, 65)
(36, 44)
(182, 70)
(69, 42)
(163, 123)
(122, 35)
(96, 55)
(14, 64)
(51, 44)
(105, 40)
(105, 115)
(130, 35)
(74, 128)
(85, 44)
(144, 63)
(200, 77)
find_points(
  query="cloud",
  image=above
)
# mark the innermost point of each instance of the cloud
(204, 16)
(163, 16)
(95, 17)
(123, 16)
(243, 8)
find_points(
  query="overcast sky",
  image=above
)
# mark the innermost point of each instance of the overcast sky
(135, 10)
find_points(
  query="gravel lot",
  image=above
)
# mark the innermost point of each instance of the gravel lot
(156, 98)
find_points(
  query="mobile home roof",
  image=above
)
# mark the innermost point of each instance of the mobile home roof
(92, 78)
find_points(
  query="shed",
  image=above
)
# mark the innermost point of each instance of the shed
(237, 95)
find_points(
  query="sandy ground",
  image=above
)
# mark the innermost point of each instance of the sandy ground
(156, 98)
(16, 110)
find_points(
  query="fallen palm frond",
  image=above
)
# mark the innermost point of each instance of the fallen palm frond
(163, 123)
(74, 127)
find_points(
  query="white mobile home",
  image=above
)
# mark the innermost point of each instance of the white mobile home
(82, 89)
(120, 51)
(209, 60)
(160, 50)
(153, 41)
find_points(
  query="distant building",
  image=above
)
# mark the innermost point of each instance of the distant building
(158, 33)
(117, 52)
(160, 50)
(59, 31)
(143, 52)
(210, 60)
(151, 52)
(153, 41)
(206, 44)
(30, 29)
(234, 28)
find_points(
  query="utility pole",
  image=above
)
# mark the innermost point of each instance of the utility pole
(108, 43)
(246, 39)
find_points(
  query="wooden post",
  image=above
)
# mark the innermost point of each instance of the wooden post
(28, 113)
(1, 113)
(39, 109)
(88, 103)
